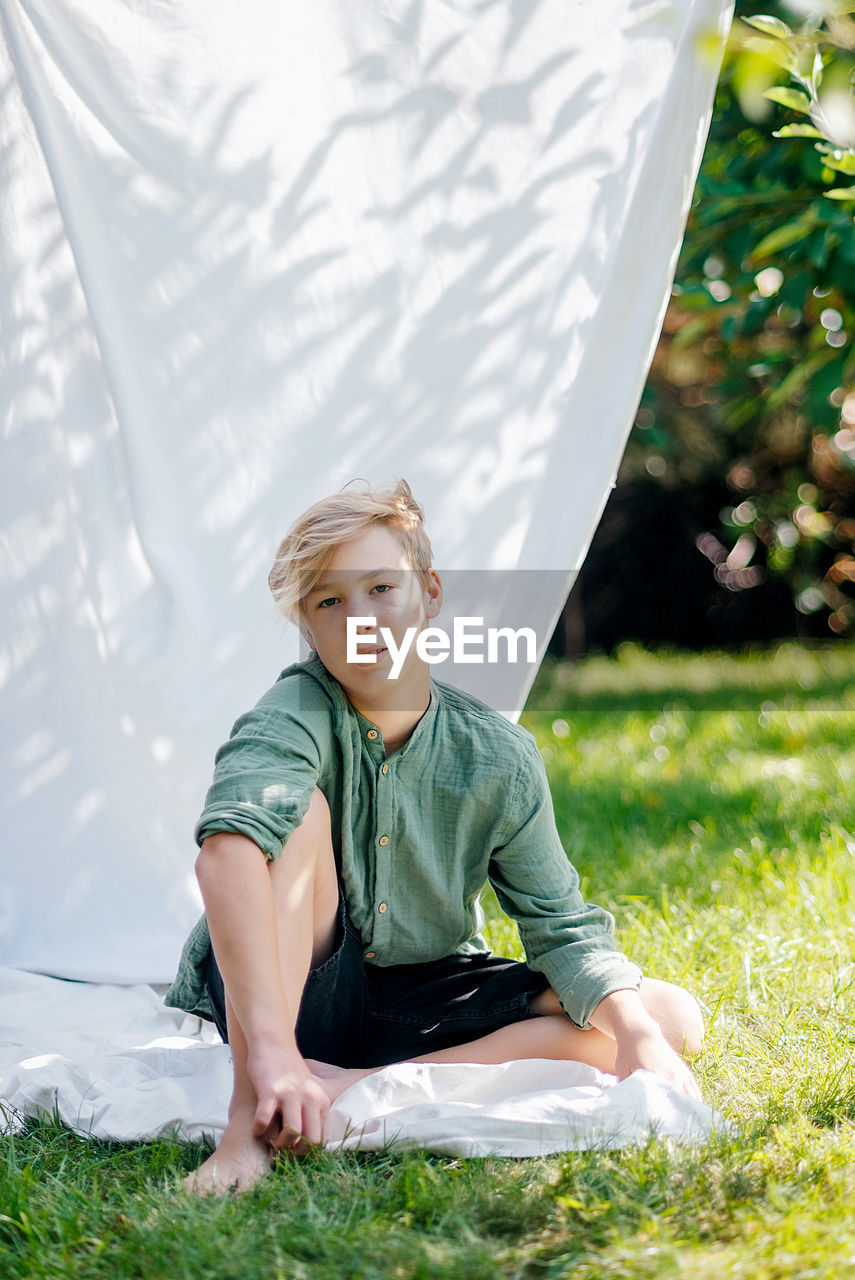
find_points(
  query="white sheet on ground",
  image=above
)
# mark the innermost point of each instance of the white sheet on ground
(248, 252)
(112, 1062)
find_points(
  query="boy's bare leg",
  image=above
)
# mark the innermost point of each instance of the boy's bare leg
(241, 1158)
(552, 1035)
(304, 890)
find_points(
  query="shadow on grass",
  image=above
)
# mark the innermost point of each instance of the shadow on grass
(645, 682)
(552, 698)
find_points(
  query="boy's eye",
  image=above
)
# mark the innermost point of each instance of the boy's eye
(382, 587)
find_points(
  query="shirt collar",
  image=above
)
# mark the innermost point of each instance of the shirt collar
(424, 727)
(344, 708)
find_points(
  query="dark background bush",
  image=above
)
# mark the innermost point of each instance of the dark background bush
(733, 519)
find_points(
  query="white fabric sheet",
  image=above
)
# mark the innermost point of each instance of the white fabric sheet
(112, 1062)
(248, 252)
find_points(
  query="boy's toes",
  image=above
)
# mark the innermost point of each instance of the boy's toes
(229, 1171)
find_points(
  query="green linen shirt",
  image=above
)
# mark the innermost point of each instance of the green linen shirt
(416, 834)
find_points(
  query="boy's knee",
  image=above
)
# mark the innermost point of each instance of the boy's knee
(318, 812)
(688, 1022)
(677, 1012)
(310, 843)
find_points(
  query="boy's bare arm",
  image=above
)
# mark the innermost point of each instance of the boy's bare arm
(239, 904)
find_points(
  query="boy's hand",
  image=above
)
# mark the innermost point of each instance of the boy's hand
(650, 1051)
(292, 1105)
(640, 1042)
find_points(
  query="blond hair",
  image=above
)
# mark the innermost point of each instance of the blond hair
(307, 548)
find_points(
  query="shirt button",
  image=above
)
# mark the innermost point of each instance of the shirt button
(369, 955)
(382, 907)
(372, 734)
(383, 840)
(385, 769)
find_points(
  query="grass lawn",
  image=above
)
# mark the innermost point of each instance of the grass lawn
(708, 802)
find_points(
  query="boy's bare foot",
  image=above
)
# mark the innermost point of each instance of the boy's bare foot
(237, 1164)
(334, 1080)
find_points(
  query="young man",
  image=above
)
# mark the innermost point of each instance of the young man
(352, 821)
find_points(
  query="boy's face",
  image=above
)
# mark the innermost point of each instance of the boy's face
(371, 577)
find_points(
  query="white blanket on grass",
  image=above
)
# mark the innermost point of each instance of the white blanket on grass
(113, 1062)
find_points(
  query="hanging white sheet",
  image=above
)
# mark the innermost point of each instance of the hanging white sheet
(250, 251)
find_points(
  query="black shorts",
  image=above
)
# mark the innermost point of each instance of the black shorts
(355, 1014)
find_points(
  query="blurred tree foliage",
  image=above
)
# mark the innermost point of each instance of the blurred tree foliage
(745, 437)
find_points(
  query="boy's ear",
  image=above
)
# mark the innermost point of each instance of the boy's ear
(307, 636)
(434, 594)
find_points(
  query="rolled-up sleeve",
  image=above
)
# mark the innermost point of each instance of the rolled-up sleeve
(568, 940)
(265, 774)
